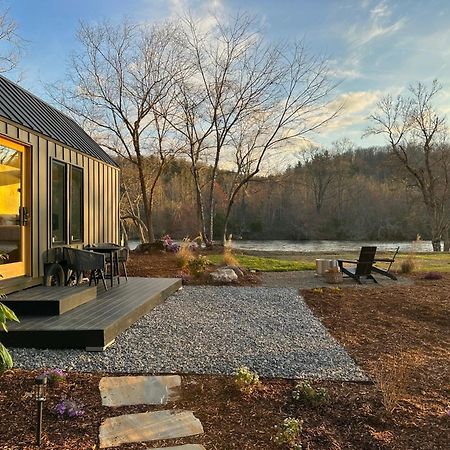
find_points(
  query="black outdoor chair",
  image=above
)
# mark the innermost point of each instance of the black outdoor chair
(364, 265)
(80, 261)
(386, 271)
(124, 254)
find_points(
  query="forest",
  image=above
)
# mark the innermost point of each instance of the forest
(359, 193)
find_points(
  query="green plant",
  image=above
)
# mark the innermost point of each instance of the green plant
(6, 314)
(197, 266)
(288, 433)
(305, 393)
(317, 291)
(246, 380)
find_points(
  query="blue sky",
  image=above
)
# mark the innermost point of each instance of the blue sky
(374, 47)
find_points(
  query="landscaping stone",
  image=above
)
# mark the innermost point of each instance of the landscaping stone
(149, 426)
(224, 275)
(153, 390)
(181, 447)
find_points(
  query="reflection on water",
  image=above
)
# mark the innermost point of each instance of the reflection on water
(323, 246)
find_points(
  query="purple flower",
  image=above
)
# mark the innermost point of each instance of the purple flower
(69, 408)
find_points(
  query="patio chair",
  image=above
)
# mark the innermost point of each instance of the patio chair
(363, 266)
(386, 271)
(124, 254)
(81, 261)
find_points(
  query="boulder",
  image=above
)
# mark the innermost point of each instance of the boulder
(224, 275)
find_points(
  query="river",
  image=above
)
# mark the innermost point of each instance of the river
(323, 246)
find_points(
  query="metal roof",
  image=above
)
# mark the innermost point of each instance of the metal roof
(24, 108)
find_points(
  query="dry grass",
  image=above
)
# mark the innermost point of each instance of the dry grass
(228, 257)
(185, 255)
(408, 265)
(392, 378)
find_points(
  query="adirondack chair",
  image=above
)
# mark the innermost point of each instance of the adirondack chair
(363, 266)
(386, 271)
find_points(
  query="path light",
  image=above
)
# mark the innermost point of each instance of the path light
(40, 390)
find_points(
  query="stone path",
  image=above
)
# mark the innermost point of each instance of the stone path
(148, 426)
(125, 391)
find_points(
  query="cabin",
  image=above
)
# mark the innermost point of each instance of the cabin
(58, 187)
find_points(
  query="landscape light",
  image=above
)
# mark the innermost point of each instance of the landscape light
(40, 390)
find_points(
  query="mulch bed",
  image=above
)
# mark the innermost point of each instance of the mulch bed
(373, 324)
(165, 264)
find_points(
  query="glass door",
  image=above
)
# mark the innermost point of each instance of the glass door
(13, 211)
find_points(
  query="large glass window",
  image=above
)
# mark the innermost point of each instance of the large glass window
(76, 205)
(59, 202)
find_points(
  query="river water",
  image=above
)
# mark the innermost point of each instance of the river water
(323, 246)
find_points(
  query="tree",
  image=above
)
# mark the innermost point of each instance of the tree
(116, 83)
(249, 98)
(10, 43)
(416, 134)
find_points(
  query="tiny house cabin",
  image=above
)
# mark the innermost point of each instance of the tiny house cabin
(57, 186)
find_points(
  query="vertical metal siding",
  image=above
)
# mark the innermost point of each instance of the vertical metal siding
(100, 193)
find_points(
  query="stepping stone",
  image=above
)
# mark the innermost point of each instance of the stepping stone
(123, 391)
(181, 447)
(149, 426)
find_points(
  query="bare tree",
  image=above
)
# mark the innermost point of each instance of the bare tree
(114, 84)
(250, 98)
(10, 43)
(416, 134)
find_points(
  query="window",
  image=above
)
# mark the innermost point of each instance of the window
(76, 205)
(59, 202)
(66, 203)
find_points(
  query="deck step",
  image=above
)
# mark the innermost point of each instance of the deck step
(49, 301)
(18, 283)
(95, 324)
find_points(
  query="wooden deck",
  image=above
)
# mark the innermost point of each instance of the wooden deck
(93, 325)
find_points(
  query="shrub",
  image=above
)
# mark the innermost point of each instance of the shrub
(288, 433)
(67, 408)
(317, 291)
(308, 395)
(184, 254)
(408, 265)
(246, 380)
(55, 376)
(432, 276)
(6, 314)
(228, 258)
(392, 379)
(197, 266)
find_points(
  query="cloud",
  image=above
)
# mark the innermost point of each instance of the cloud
(203, 10)
(378, 25)
(356, 106)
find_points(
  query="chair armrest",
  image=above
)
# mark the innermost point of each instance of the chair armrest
(348, 261)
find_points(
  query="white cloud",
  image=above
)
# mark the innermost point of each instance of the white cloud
(377, 26)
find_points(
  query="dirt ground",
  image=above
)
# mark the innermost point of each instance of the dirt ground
(400, 330)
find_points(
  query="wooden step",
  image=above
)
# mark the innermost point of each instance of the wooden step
(15, 284)
(49, 301)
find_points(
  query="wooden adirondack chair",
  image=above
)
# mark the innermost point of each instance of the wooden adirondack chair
(363, 266)
(386, 271)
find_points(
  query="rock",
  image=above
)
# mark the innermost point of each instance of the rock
(237, 270)
(149, 426)
(224, 275)
(152, 247)
(140, 390)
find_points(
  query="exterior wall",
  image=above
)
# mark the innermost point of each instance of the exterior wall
(101, 192)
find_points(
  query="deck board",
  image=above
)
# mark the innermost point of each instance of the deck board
(96, 323)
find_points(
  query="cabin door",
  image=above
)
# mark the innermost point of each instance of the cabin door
(14, 213)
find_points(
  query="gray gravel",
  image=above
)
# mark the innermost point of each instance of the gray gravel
(214, 330)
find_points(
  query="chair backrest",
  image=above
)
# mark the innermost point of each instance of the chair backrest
(80, 260)
(365, 261)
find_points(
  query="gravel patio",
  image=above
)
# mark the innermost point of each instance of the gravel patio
(214, 330)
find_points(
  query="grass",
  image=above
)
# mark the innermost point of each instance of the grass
(263, 264)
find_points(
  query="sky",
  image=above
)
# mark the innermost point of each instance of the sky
(373, 47)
